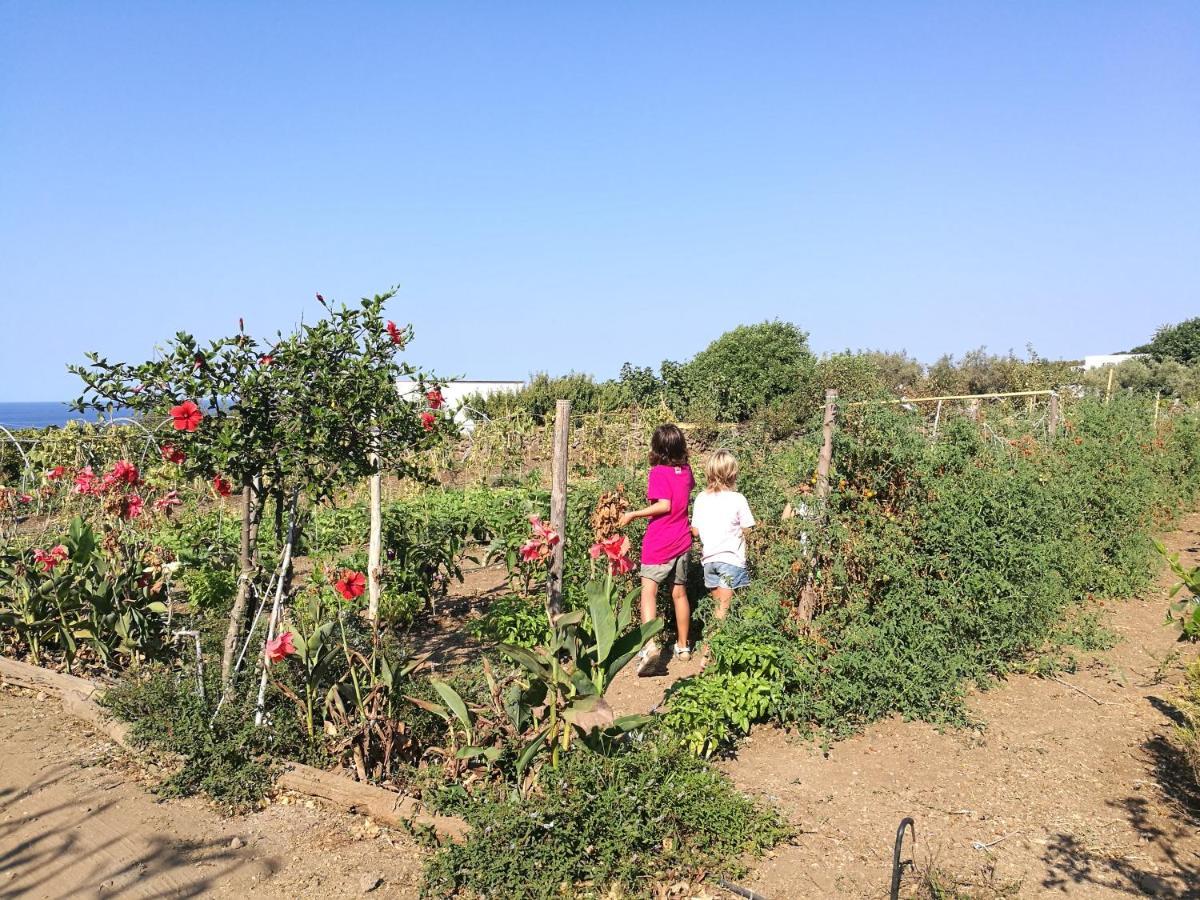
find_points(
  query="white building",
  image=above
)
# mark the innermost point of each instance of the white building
(455, 392)
(1100, 360)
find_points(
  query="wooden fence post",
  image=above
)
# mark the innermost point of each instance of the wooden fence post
(1112, 370)
(558, 505)
(808, 594)
(826, 457)
(1157, 400)
(1052, 416)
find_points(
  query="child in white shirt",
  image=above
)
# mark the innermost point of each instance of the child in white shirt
(720, 518)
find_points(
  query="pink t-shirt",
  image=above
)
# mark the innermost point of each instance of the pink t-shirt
(668, 536)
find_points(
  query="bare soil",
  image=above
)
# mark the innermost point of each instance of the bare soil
(77, 819)
(1069, 788)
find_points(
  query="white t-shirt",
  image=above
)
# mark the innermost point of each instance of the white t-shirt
(720, 516)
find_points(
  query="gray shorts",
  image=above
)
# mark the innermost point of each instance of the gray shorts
(676, 569)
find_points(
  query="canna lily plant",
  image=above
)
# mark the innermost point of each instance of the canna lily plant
(570, 676)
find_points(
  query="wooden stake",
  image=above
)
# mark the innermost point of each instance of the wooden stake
(1157, 399)
(1112, 370)
(558, 505)
(375, 543)
(826, 458)
(1052, 416)
(937, 418)
(285, 563)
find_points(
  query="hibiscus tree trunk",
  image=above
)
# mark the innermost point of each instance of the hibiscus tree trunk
(246, 564)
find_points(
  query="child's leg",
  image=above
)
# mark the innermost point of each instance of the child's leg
(649, 600)
(683, 613)
(722, 595)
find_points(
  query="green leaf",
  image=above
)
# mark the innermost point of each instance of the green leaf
(604, 623)
(456, 704)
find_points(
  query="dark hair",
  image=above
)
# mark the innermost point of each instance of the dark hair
(667, 447)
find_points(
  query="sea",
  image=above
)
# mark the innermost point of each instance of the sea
(36, 414)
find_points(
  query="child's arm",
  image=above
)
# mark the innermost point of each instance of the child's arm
(657, 508)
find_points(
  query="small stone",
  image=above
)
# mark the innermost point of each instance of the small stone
(369, 882)
(237, 844)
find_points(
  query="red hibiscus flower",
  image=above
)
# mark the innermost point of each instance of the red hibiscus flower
(56, 473)
(222, 487)
(124, 472)
(24, 499)
(131, 507)
(168, 501)
(435, 398)
(428, 420)
(396, 334)
(351, 584)
(280, 648)
(49, 560)
(187, 416)
(85, 481)
(173, 454)
(266, 359)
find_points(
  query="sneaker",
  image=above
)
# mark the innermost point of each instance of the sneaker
(683, 654)
(647, 660)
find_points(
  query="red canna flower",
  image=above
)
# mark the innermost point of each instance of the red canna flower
(168, 501)
(173, 454)
(543, 532)
(532, 551)
(131, 507)
(56, 473)
(280, 648)
(396, 334)
(435, 398)
(351, 584)
(427, 420)
(49, 560)
(616, 548)
(124, 472)
(85, 481)
(222, 487)
(187, 416)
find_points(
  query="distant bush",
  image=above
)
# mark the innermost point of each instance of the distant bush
(1180, 343)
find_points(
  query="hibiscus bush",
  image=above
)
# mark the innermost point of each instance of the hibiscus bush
(298, 416)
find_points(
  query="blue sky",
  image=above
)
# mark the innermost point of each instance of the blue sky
(568, 186)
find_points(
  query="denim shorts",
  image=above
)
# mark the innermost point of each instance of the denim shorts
(725, 575)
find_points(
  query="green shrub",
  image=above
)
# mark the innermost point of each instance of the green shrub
(226, 757)
(513, 620)
(607, 824)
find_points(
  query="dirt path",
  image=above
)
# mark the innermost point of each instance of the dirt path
(1067, 791)
(75, 821)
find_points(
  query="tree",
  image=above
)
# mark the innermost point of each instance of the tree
(1178, 342)
(741, 372)
(304, 415)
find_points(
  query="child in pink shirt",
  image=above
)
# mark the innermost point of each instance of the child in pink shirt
(668, 538)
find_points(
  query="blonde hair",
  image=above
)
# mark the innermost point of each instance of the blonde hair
(721, 471)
